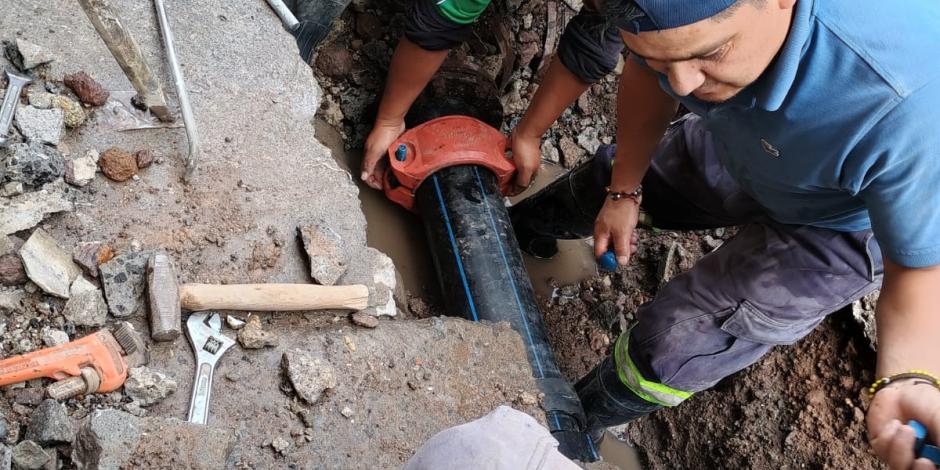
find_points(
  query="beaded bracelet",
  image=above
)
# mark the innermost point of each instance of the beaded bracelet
(911, 374)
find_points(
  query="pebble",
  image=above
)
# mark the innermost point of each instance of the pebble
(365, 320)
(40, 125)
(571, 152)
(11, 270)
(280, 445)
(549, 151)
(48, 265)
(347, 412)
(39, 98)
(148, 387)
(117, 164)
(527, 399)
(81, 171)
(72, 113)
(87, 89)
(33, 54)
(144, 158)
(310, 375)
(52, 337)
(234, 322)
(588, 140)
(253, 336)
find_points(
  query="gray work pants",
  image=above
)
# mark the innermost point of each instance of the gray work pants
(770, 284)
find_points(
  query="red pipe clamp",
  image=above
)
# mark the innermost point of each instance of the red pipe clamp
(440, 143)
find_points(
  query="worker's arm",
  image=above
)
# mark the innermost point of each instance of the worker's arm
(409, 72)
(643, 113)
(908, 318)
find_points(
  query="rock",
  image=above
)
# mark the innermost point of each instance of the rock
(527, 52)
(148, 387)
(347, 412)
(49, 424)
(37, 97)
(118, 164)
(11, 300)
(81, 171)
(72, 113)
(863, 310)
(369, 27)
(90, 255)
(586, 103)
(47, 265)
(384, 285)
(326, 251)
(40, 125)
(106, 439)
(549, 151)
(171, 443)
(527, 399)
(280, 445)
(144, 158)
(310, 375)
(574, 4)
(31, 396)
(334, 61)
(252, 336)
(33, 164)
(588, 140)
(28, 455)
(87, 89)
(124, 282)
(24, 212)
(11, 189)
(331, 111)
(33, 54)
(11, 270)
(6, 456)
(8, 245)
(571, 153)
(234, 322)
(365, 320)
(52, 337)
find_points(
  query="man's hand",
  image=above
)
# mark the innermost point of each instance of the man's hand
(615, 225)
(527, 154)
(890, 410)
(375, 156)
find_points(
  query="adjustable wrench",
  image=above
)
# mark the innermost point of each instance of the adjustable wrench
(205, 335)
(17, 82)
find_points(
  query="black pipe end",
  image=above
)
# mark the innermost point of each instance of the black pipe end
(577, 445)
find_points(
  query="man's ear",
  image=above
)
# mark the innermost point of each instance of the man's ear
(786, 4)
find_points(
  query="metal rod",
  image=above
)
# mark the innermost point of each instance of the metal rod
(287, 17)
(185, 107)
(16, 83)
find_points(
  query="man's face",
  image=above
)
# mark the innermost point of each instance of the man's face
(714, 59)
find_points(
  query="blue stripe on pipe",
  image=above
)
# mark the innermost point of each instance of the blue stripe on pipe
(590, 441)
(453, 245)
(499, 243)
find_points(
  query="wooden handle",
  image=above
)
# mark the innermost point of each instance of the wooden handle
(272, 297)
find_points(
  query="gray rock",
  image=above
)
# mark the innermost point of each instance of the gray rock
(3, 431)
(234, 322)
(86, 305)
(384, 284)
(24, 212)
(81, 171)
(365, 320)
(40, 125)
(571, 152)
(33, 54)
(588, 140)
(148, 387)
(33, 164)
(6, 457)
(327, 253)
(11, 300)
(13, 188)
(29, 455)
(280, 445)
(863, 310)
(310, 375)
(252, 336)
(7, 245)
(31, 396)
(106, 439)
(39, 97)
(49, 424)
(124, 283)
(550, 152)
(53, 337)
(48, 265)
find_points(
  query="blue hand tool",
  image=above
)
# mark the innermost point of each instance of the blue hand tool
(921, 448)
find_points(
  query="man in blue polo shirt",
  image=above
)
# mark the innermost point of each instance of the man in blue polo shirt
(813, 127)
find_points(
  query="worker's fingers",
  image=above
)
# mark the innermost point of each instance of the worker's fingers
(622, 245)
(375, 157)
(900, 448)
(524, 178)
(601, 241)
(923, 464)
(376, 178)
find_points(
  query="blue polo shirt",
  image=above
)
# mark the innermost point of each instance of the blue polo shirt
(843, 130)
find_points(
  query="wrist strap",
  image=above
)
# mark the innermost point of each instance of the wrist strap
(909, 375)
(636, 194)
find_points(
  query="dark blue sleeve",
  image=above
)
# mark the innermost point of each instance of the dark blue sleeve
(430, 30)
(589, 47)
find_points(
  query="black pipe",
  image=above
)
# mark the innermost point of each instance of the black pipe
(482, 277)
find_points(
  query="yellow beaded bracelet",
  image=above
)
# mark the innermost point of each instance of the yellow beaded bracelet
(911, 374)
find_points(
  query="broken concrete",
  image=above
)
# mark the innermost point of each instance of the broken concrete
(253, 336)
(24, 212)
(33, 54)
(124, 283)
(48, 265)
(148, 387)
(11, 300)
(113, 439)
(6, 457)
(309, 374)
(90, 255)
(81, 171)
(40, 125)
(326, 251)
(28, 455)
(33, 164)
(53, 337)
(86, 305)
(49, 424)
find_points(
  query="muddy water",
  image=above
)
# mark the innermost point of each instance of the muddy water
(400, 235)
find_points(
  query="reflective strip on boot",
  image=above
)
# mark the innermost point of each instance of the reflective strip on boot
(630, 376)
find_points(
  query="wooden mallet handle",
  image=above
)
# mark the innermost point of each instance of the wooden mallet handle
(273, 297)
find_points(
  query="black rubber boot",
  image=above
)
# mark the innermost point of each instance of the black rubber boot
(607, 401)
